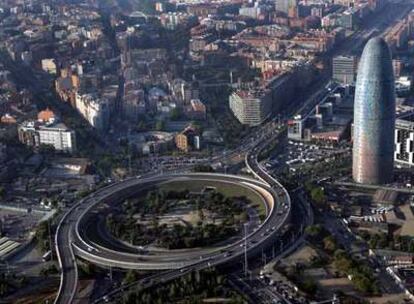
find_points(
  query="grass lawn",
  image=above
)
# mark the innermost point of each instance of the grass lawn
(227, 189)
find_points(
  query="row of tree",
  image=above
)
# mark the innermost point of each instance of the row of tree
(191, 288)
(384, 241)
(360, 273)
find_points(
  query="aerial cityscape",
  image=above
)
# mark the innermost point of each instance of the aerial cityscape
(205, 151)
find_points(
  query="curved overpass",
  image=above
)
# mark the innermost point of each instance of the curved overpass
(71, 241)
(253, 165)
(116, 258)
(282, 198)
(139, 258)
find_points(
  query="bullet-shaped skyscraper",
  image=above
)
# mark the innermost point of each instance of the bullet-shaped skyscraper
(374, 116)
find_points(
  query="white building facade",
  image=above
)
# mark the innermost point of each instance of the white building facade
(56, 135)
(95, 110)
(249, 107)
(404, 142)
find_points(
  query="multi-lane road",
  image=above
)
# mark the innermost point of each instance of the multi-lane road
(159, 260)
(71, 239)
(353, 45)
(255, 242)
(66, 232)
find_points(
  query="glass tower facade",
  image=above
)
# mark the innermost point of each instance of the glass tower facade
(374, 116)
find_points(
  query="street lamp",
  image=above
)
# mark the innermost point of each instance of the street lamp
(245, 251)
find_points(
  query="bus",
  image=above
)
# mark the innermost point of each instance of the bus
(47, 256)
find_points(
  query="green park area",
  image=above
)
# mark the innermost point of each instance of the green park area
(184, 214)
(227, 189)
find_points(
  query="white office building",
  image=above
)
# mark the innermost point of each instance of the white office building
(251, 107)
(344, 69)
(95, 110)
(56, 135)
(404, 142)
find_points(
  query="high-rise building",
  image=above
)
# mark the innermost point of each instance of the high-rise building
(251, 107)
(348, 19)
(296, 128)
(374, 116)
(57, 135)
(94, 109)
(344, 69)
(188, 139)
(398, 66)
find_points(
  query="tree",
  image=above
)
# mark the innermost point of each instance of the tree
(175, 114)
(309, 286)
(130, 277)
(344, 264)
(173, 291)
(46, 271)
(42, 235)
(339, 253)
(318, 196)
(203, 168)
(88, 269)
(201, 214)
(329, 243)
(2, 192)
(197, 126)
(4, 288)
(159, 125)
(104, 165)
(313, 231)
(362, 283)
(244, 216)
(46, 149)
(141, 126)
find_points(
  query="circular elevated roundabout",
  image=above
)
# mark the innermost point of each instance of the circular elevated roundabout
(258, 236)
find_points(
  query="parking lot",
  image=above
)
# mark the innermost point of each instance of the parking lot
(300, 155)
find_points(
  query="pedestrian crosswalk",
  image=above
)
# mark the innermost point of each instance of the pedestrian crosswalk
(7, 246)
